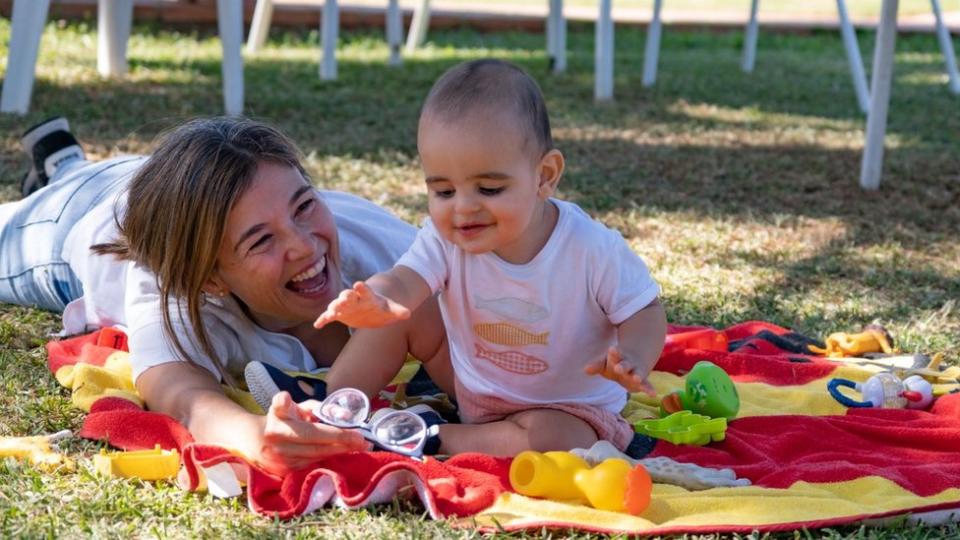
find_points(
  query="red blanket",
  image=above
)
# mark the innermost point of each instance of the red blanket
(918, 451)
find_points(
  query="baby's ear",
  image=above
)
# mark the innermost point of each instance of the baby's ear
(550, 170)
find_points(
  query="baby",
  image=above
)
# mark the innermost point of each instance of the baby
(550, 317)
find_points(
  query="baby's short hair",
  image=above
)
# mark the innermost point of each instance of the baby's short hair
(495, 84)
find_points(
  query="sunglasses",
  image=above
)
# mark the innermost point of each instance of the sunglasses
(401, 432)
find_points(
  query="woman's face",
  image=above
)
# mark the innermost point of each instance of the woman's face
(279, 253)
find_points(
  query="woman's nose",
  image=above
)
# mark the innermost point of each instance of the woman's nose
(300, 243)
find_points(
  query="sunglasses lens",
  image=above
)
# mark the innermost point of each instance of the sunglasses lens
(400, 431)
(346, 409)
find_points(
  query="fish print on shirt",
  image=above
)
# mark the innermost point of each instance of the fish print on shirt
(512, 361)
(512, 308)
(507, 334)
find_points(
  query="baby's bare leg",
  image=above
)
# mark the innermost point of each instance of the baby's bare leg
(542, 430)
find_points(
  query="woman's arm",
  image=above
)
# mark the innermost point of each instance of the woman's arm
(282, 440)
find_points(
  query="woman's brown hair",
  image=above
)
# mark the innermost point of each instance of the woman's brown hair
(177, 207)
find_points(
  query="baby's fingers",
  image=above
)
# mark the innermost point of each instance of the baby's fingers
(361, 291)
(643, 385)
(595, 367)
(324, 319)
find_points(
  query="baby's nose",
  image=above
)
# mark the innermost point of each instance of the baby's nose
(466, 203)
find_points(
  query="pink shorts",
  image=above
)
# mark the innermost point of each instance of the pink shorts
(480, 409)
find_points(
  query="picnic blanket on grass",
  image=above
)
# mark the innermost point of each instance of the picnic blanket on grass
(811, 462)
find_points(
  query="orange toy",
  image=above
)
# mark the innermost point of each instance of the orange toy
(873, 339)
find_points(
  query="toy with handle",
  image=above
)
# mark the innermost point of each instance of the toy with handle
(885, 390)
(614, 484)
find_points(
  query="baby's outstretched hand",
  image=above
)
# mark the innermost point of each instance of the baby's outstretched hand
(361, 307)
(621, 370)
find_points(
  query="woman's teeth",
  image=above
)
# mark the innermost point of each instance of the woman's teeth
(310, 272)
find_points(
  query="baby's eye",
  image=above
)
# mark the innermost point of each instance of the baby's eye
(443, 193)
(489, 192)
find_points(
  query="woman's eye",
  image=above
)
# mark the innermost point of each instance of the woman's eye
(261, 242)
(490, 191)
(305, 206)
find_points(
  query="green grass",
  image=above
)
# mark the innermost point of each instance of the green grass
(739, 191)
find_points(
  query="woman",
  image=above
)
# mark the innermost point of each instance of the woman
(213, 252)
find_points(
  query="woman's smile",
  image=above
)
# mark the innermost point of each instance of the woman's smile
(312, 281)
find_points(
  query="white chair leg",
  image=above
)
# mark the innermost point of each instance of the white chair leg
(114, 18)
(853, 57)
(946, 47)
(260, 25)
(651, 55)
(556, 36)
(230, 25)
(329, 28)
(394, 26)
(25, 31)
(603, 54)
(872, 163)
(750, 39)
(419, 25)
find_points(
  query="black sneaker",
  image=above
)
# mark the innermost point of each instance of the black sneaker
(265, 381)
(431, 418)
(49, 145)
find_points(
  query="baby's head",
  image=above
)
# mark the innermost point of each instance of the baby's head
(489, 161)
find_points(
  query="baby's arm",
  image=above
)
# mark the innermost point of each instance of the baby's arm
(383, 299)
(641, 337)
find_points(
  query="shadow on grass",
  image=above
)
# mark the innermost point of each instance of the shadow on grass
(371, 111)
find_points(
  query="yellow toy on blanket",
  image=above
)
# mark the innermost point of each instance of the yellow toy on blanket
(873, 339)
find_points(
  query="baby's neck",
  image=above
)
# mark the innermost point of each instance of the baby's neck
(536, 236)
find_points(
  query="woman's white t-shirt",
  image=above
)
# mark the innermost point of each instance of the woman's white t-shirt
(120, 293)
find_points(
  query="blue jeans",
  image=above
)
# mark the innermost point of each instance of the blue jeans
(33, 231)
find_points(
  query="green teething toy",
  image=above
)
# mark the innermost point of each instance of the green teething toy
(709, 391)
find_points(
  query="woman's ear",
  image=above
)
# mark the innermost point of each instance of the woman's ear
(215, 286)
(550, 170)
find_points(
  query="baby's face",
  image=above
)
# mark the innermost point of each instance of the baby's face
(483, 184)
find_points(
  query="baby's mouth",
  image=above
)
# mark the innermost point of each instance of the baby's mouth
(471, 227)
(311, 280)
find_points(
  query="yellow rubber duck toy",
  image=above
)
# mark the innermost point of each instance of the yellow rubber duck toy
(613, 484)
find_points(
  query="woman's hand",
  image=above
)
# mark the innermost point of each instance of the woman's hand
(362, 307)
(283, 440)
(291, 439)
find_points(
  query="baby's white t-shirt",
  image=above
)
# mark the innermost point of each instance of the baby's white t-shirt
(525, 332)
